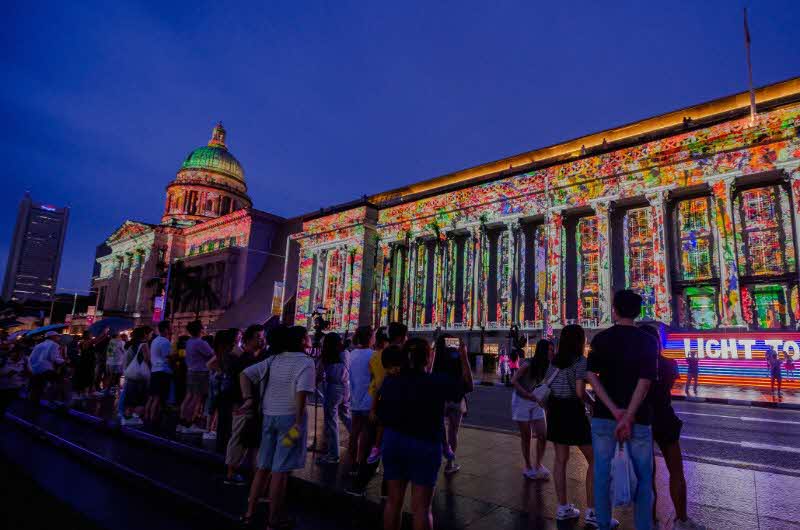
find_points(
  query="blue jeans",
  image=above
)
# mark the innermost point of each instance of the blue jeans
(336, 406)
(641, 451)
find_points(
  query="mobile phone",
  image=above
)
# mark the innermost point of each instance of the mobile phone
(452, 342)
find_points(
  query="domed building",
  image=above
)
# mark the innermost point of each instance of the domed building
(209, 249)
(209, 184)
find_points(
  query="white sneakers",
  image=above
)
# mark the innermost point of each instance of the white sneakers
(542, 473)
(451, 467)
(567, 511)
(209, 435)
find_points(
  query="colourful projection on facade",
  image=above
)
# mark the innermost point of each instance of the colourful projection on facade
(439, 254)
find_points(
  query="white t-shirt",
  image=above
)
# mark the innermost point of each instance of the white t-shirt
(359, 379)
(115, 352)
(45, 356)
(289, 373)
(160, 350)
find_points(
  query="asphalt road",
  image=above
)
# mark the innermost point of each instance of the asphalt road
(741, 436)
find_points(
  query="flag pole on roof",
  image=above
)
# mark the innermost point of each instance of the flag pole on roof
(749, 70)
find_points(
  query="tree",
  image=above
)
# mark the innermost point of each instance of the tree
(198, 291)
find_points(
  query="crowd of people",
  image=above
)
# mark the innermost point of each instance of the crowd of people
(401, 400)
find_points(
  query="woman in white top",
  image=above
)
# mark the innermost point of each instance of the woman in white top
(526, 411)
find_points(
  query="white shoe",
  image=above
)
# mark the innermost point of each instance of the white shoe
(180, 429)
(194, 430)
(688, 524)
(451, 467)
(530, 474)
(542, 473)
(567, 511)
(210, 435)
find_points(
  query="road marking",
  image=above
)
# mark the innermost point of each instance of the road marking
(740, 418)
(745, 445)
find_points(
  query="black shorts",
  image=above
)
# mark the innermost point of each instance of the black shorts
(159, 385)
(567, 423)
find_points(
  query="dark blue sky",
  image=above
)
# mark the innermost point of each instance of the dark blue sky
(324, 102)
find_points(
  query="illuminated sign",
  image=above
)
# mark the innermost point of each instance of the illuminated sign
(736, 359)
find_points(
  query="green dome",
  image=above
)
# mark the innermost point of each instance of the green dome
(215, 156)
(214, 159)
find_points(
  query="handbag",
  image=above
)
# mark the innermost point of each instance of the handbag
(623, 477)
(542, 391)
(253, 425)
(137, 369)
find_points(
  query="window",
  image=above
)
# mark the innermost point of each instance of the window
(694, 236)
(638, 237)
(588, 268)
(701, 303)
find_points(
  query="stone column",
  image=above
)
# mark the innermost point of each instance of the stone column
(514, 229)
(470, 255)
(127, 275)
(793, 175)
(385, 255)
(120, 283)
(730, 306)
(554, 222)
(660, 273)
(141, 258)
(602, 209)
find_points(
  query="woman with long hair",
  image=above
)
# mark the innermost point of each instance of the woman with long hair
(528, 414)
(337, 394)
(411, 409)
(567, 423)
(667, 432)
(134, 395)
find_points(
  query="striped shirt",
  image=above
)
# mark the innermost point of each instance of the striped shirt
(564, 384)
(289, 373)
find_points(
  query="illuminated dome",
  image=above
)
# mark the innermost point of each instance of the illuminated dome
(209, 184)
(215, 157)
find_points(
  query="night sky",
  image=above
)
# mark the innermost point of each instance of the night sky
(324, 102)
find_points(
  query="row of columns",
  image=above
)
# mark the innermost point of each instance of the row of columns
(125, 292)
(336, 263)
(411, 273)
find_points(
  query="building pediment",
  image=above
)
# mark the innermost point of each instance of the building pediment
(129, 230)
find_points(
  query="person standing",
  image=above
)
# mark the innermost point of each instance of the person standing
(45, 361)
(411, 409)
(13, 376)
(253, 342)
(451, 360)
(621, 367)
(115, 362)
(528, 414)
(198, 353)
(775, 375)
(360, 400)
(667, 433)
(337, 394)
(502, 365)
(137, 377)
(289, 379)
(692, 371)
(160, 372)
(567, 423)
(377, 373)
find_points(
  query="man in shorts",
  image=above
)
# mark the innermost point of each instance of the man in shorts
(198, 353)
(160, 372)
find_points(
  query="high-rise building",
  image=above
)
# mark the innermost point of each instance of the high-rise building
(35, 254)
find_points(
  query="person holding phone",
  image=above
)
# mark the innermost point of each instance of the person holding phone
(451, 360)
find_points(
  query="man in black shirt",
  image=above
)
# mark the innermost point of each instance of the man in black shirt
(621, 366)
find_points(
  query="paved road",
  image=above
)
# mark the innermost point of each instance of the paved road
(742, 436)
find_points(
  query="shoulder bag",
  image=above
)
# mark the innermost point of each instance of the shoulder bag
(542, 391)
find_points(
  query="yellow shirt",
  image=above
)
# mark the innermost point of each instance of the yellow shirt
(377, 373)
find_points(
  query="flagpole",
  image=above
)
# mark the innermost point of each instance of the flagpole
(749, 70)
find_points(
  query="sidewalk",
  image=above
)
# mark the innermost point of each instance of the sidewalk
(490, 492)
(712, 394)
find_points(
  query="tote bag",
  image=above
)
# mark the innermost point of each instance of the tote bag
(137, 369)
(542, 392)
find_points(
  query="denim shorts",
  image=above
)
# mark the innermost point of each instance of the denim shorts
(272, 454)
(411, 459)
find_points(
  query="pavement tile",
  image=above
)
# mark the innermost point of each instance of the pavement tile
(720, 487)
(722, 519)
(777, 496)
(512, 520)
